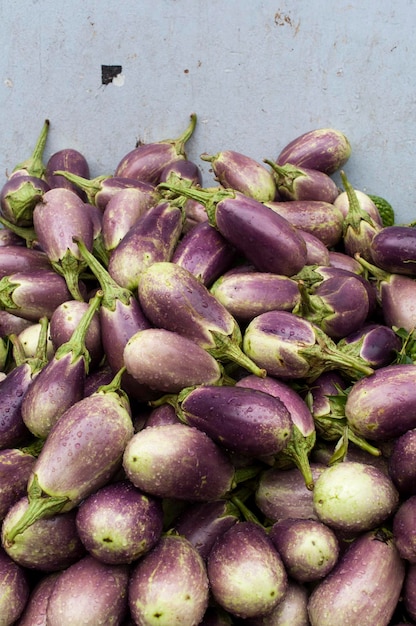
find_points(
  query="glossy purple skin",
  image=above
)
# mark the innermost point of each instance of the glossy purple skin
(9, 238)
(344, 261)
(90, 592)
(201, 523)
(248, 294)
(69, 160)
(246, 547)
(151, 239)
(397, 294)
(373, 594)
(393, 249)
(317, 251)
(291, 611)
(383, 406)
(14, 589)
(264, 237)
(404, 529)
(242, 419)
(15, 469)
(111, 186)
(123, 210)
(204, 252)
(196, 469)
(282, 493)
(163, 414)
(194, 214)
(101, 376)
(161, 580)
(318, 218)
(378, 344)
(183, 169)
(409, 591)
(13, 388)
(146, 162)
(58, 218)
(48, 545)
(11, 324)
(323, 149)
(309, 184)
(19, 259)
(35, 609)
(139, 523)
(365, 202)
(402, 463)
(35, 189)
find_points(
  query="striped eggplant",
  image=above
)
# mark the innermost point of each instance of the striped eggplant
(302, 183)
(69, 160)
(18, 197)
(15, 468)
(402, 463)
(393, 249)
(323, 149)
(14, 589)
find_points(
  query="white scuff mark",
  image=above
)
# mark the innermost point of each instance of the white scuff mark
(118, 80)
(9, 83)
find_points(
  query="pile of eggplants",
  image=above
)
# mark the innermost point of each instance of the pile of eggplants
(207, 393)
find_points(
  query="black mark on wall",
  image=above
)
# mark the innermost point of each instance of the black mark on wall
(109, 72)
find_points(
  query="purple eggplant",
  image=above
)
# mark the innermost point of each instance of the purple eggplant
(377, 344)
(248, 294)
(265, 238)
(303, 435)
(402, 463)
(151, 239)
(162, 414)
(383, 406)
(197, 314)
(60, 383)
(15, 468)
(29, 338)
(321, 219)
(366, 581)
(282, 493)
(181, 170)
(194, 214)
(12, 324)
(14, 589)
(341, 260)
(202, 522)
(36, 606)
(366, 204)
(317, 251)
(354, 497)
(309, 549)
(9, 238)
(169, 585)
(248, 421)
(137, 530)
(146, 162)
(409, 592)
(122, 211)
(393, 249)
(240, 172)
(69, 160)
(403, 526)
(19, 196)
(246, 547)
(89, 592)
(99, 377)
(204, 252)
(19, 259)
(81, 453)
(290, 347)
(302, 183)
(291, 611)
(58, 218)
(195, 469)
(48, 545)
(323, 149)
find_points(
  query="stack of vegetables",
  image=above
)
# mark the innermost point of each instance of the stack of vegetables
(208, 394)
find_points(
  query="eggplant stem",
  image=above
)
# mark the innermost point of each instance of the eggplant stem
(34, 164)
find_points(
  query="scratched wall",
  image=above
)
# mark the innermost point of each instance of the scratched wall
(257, 74)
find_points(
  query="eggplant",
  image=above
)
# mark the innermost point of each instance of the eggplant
(366, 581)
(15, 468)
(58, 218)
(265, 238)
(248, 294)
(29, 339)
(194, 214)
(10, 238)
(382, 406)
(197, 314)
(248, 421)
(151, 239)
(354, 497)
(19, 197)
(403, 527)
(246, 547)
(402, 463)
(12, 324)
(81, 453)
(291, 611)
(48, 545)
(195, 469)
(100, 377)
(302, 183)
(344, 261)
(290, 347)
(205, 253)
(36, 606)
(162, 414)
(321, 219)
(309, 549)
(137, 530)
(393, 249)
(14, 589)
(146, 162)
(122, 211)
(323, 149)
(60, 383)
(153, 357)
(89, 592)
(202, 522)
(69, 160)
(366, 204)
(377, 344)
(169, 585)
(317, 252)
(240, 172)
(181, 170)
(282, 493)
(409, 592)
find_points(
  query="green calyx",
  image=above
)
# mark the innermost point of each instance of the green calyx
(34, 165)
(90, 186)
(356, 215)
